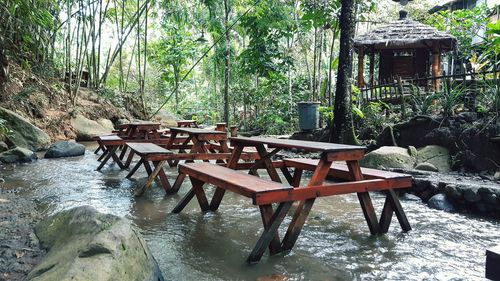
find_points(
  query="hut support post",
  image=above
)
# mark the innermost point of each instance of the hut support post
(361, 57)
(372, 68)
(436, 69)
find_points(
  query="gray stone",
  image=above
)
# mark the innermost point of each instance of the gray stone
(86, 129)
(441, 202)
(65, 149)
(426, 167)
(3, 146)
(18, 155)
(410, 197)
(436, 155)
(123, 121)
(388, 157)
(24, 134)
(452, 191)
(84, 244)
(471, 195)
(497, 176)
(412, 151)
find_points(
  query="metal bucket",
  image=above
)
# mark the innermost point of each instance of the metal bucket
(308, 115)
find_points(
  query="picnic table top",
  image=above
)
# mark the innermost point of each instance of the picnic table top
(297, 144)
(143, 123)
(147, 148)
(109, 138)
(187, 122)
(196, 131)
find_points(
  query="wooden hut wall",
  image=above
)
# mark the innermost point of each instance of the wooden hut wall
(385, 66)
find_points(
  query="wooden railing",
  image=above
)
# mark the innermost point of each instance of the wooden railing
(395, 91)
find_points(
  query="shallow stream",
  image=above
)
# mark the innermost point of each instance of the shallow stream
(335, 244)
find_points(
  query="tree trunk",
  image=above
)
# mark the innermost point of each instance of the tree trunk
(330, 67)
(343, 130)
(226, 64)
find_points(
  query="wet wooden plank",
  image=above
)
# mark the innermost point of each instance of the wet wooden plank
(296, 144)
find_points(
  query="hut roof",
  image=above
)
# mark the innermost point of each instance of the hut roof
(405, 34)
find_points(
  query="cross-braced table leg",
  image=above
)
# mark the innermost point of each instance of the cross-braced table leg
(152, 175)
(302, 211)
(391, 205)
(111, 153)
(364, 199)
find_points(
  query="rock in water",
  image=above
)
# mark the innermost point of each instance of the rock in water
(84, 244)
(441, 202)
(18, 155)
(86, 129)
(437, 156)
(24, 134)
(426, 167)
(388, 157)
(65, 149)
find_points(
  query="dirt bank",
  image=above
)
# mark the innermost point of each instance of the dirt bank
(19, 247)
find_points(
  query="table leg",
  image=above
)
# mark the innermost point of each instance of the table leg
(297, 176)
(151, 177)
(266, 213)
(391, 205)
(163, 177)
(130, 157)
(269, 233)
(178, 182)
(124, 150)
(132, 172)
(117, 159)
(265, 158)
(302, 211)
(109, 154)
(200, 194)
(104, 153)
(364, 199)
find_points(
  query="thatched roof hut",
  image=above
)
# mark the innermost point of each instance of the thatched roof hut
(405, 34)
(404, 48)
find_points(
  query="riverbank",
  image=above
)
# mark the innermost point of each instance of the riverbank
(20, 251)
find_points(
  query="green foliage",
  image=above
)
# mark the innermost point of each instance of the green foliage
(489, 100)
(450, 97)
(4, 130)
(462, 24)
(26, 26)
(421, 103)
(266, 26)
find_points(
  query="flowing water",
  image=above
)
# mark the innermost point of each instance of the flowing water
(335, 244)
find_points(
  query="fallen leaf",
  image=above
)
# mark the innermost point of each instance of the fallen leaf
(19, 254)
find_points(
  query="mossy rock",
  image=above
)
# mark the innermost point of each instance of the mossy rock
(389, 157)
(24, 134)
(84, 244)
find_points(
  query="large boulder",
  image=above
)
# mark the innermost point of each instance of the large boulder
(86, 129)
(65, 149)
(166, 118)
(18, 155)
(84, 244)
(24, 134)
(389, 157)
(437, 156)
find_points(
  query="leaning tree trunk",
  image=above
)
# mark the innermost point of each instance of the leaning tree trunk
(343, 130)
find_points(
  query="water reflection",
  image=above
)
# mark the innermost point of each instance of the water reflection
(334, 245)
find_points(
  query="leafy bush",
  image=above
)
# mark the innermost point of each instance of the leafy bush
(421, 103)
(489, 100)
(450, 97)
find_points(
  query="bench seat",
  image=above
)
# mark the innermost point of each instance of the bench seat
(235, 181)
(341, 171)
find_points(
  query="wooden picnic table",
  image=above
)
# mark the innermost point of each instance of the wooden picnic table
(142, 130)
(265, 194)
(150, 155)
(109, 144)
(187, 123)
